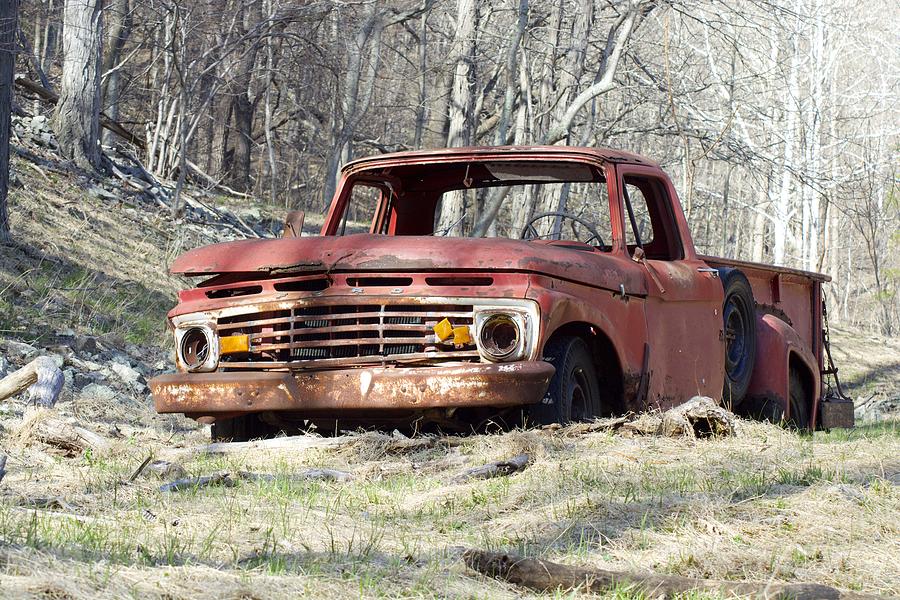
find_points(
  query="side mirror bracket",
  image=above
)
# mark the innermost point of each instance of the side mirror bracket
(293, 224)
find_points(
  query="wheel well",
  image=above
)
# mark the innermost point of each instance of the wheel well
(796, 364)
(606, 362)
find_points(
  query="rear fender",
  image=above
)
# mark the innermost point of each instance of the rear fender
(776, 344)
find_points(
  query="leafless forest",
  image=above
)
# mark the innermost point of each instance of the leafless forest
(778, 121)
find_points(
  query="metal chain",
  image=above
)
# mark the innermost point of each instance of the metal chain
(831, 370)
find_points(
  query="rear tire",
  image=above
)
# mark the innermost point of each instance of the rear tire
(799, 418)
(767, 409)
(574, 392)
(739, 327)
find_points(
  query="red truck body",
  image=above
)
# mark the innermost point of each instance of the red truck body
(344, 325)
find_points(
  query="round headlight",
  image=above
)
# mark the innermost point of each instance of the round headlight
(195, 348)
(500, 336)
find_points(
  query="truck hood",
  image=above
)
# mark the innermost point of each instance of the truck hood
(378, 253)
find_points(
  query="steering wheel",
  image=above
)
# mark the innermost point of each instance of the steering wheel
(529, 232)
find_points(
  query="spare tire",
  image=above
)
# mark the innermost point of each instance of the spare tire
(739, 327)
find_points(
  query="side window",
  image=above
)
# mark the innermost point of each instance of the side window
(641, 213)
(648, 219)
(359, 215)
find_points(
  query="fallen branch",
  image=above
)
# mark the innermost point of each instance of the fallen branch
(496, 469)
(307, 475)
(189, 483)
(229, 480)
(544, 575)
(41, 375)
(216, 184)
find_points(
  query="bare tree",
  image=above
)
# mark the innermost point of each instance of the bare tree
(461, 109)
(9, 11)
(77, 117)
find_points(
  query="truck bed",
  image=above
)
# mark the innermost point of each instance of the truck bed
(793, 295)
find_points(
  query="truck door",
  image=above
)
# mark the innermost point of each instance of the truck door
(684, 299)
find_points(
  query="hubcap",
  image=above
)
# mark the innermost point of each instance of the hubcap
(735, 336)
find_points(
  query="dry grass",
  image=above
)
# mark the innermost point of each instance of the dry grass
(766, 504)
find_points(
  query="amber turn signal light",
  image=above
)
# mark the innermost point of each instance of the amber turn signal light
(232, 344)
(443, 330)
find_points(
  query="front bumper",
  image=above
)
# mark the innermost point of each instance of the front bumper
(218, 394)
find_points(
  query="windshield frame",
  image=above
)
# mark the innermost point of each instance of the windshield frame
(379, 175)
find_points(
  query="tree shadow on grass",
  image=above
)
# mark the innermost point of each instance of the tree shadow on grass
(44, 293)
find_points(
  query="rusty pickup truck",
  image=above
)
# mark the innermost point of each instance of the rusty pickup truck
(459, 285)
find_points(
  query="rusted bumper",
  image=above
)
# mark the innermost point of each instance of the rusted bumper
(509, 384)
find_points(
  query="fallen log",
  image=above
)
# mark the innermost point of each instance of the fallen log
(544, 575)
(496, 469)
(41, 375)
(71, 439)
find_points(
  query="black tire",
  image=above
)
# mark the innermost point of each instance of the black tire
(240, 429)
(739, 327)
(574, 392)
(799, 417)
(767, 409)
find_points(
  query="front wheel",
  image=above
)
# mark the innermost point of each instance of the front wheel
(574, 392)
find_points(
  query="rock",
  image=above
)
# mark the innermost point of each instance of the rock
(69, 377)
(101, 193)
(250, 212)
(165, 469)
(86, 343)
(20, 348)
(98, 392)
(112, 340)
(4, 367)
(126, 373)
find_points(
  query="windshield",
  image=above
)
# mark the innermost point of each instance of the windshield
(539, 201)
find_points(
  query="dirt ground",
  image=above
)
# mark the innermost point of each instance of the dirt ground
(86, 282)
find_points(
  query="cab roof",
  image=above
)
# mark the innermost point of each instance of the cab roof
(547, 153)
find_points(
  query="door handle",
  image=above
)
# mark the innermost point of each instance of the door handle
(714, 272)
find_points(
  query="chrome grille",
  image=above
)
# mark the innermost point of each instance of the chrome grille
(341, 335)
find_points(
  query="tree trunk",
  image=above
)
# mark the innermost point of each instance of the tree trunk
(421, 108)
(77, 117)
(9, 11)
(119, 27)
(461, 104)
(783, 210)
